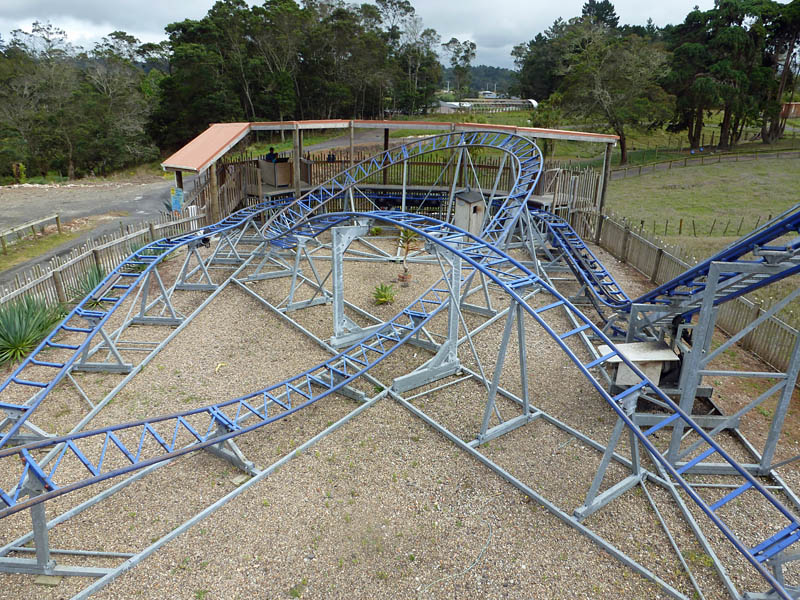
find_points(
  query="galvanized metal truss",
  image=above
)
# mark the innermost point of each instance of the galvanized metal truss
(462, 257)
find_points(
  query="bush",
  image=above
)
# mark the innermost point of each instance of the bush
(384, 294)
(90, 280)
(23, 324)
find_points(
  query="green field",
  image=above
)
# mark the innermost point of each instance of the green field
(725, 196)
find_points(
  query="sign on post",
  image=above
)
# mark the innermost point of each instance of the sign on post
(176, 195)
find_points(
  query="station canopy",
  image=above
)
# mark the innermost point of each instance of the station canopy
(211, 145)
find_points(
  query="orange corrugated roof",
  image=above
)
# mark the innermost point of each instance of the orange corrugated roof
(207, 147)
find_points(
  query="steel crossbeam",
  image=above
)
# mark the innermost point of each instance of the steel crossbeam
(112, 451)
(297, 392)
(684, 294)
(86, 321)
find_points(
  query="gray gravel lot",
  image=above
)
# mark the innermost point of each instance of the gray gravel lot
(385, 507)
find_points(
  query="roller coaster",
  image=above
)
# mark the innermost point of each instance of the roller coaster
(514, 255)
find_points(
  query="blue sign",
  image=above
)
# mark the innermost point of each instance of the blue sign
(176, 194)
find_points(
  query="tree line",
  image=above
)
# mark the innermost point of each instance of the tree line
(738, 59)
(123, 102)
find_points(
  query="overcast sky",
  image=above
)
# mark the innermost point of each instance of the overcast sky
(494, 25)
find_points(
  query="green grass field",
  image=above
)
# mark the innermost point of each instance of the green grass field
(734, 196)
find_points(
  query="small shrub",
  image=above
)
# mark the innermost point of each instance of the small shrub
(408, 242)
(376, 230)
(23, 324)
(384, 294)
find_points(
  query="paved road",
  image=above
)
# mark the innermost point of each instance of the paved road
(126, 202)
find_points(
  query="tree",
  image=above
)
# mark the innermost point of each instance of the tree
(613, 78)
(601, 12)
(782, 35)
(538, 63)
(461, 56)
(395, 13)
(420, 67)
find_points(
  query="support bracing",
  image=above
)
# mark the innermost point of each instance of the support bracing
(470, 265)
(345, 330)
(445, 362)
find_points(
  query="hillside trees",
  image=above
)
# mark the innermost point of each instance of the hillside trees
(736, 60)
(613, 78)
(71, 111)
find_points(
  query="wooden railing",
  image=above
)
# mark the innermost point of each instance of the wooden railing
(61, 279)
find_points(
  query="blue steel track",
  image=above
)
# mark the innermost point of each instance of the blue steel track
(281, 399)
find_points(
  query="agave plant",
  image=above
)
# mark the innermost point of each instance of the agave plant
(90, 280)
(23, 324)
(384, 293)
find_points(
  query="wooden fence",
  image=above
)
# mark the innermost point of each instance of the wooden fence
(19, 229)
(772, 341)
(62, 278)
(700, 160)
(574, 194)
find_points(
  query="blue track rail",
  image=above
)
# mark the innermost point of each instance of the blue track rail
(582, 261)
(685, 292)
(112, 451)
(300, 391)
(40, 375)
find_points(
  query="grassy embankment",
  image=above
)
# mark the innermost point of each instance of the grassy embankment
(729, 198)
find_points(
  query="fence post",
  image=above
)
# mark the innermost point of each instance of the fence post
(659, 254)
(97, 262)
(58, 283)
(3, 243)
(747, 341)
(152, 231)
(58, 223)
(625, 239)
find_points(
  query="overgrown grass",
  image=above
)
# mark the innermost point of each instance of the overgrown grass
(23, 324)
(731, 198)
(27, 248)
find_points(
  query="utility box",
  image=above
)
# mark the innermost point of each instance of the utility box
(470, 209)
(276, 174)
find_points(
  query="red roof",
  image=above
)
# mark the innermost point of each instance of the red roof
(207, 147)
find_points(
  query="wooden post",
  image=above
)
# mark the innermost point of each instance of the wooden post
(680, 227)
(3, 243)
(260, 183)
(601, 202)
(213, 195)
(659, 255)
(296, 160)
(625, 238)
(97, 261)
(58, 283)
(152, 232)
(352, 143)
(58, 223)
(385, 149)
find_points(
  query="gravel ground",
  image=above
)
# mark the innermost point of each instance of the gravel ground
(384, 506)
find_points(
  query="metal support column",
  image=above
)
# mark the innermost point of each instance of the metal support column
(445, 362)
(345, 330)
